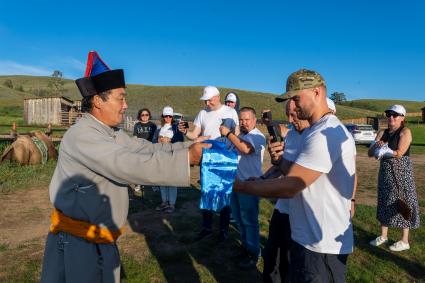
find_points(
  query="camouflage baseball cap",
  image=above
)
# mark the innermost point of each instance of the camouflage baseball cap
(299, 80)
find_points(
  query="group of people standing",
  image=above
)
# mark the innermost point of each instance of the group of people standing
(167, 132)
(313, 177)
(237, 128)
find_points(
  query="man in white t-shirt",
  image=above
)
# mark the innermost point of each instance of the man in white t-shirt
(279, 238)
(207, 123)
(250, 145)
(320, 183)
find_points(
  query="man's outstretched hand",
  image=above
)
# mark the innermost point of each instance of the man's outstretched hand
(195, 152)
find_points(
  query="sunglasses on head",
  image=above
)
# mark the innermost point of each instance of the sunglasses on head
(167, 116)
(392, 114)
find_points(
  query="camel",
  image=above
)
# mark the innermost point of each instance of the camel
(28, 149)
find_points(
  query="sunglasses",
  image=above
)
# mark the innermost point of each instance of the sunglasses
(230, 102)
(392, 114)
(144, 115)
(167, 116)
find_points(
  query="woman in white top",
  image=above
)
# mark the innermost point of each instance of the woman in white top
(170, 134)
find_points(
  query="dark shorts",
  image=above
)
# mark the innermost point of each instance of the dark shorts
(309, 266)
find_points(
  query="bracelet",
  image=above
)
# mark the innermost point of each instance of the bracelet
(227, 136)
(353, 200)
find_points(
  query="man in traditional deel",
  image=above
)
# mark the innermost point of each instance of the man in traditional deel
(88, 189)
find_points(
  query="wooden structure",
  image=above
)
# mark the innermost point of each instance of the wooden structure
(56, 110)
(423, 115)
(377, 122)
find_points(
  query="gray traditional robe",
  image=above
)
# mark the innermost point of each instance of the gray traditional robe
(96, 162)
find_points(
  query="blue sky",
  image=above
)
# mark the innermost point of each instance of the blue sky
(366, 49)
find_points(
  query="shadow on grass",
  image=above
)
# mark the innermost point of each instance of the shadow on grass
(363, 236)
(170, 240)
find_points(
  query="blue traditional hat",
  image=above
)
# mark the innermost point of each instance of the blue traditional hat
(99, 77)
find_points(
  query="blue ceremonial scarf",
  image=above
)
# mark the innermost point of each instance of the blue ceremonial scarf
(218, 173)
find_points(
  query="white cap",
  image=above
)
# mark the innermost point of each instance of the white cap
(209, 92)
(397, 109)
(167, 111)
(331, 104)
(231, 97)
(166, 132)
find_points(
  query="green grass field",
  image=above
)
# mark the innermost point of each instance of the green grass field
(159, 248)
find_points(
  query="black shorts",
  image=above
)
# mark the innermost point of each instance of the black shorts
(309, 266)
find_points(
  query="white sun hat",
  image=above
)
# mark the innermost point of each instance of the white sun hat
(397, 109)
(167, 111)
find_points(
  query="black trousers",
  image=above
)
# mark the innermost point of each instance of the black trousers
(279, 238)
(207, 219)
(309, 266)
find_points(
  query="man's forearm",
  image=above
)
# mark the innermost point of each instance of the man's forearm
(284, 166)
(241, 145)
(286, 187)
(191, 135)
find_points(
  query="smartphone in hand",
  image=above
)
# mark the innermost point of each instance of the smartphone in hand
(267, 115)
(274, 132)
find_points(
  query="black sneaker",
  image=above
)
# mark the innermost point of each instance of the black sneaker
(203, 234)
(250, 262)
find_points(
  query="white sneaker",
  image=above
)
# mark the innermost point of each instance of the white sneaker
(378, 241)
(399, 246)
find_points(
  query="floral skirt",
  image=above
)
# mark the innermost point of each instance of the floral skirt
(395, 171)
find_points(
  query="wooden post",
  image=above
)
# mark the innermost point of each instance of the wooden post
(13, 132)
(49, 131)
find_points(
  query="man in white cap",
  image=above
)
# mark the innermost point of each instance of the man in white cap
(207, 123)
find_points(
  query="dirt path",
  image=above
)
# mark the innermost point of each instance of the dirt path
(24, 215)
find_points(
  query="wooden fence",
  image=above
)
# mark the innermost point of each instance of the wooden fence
(69, 118)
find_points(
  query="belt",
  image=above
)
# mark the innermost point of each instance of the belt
(90, 232)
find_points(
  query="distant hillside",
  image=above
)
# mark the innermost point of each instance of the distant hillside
(380, 104)
(184, 99)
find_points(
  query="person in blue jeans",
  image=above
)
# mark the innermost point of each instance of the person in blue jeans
(250, 144)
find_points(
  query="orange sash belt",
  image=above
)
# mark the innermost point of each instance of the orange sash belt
(91, 232)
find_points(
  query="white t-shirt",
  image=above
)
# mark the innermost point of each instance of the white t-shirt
(250, 164)
(166, 131)
(320, 214)
(293, 143)
(209, 121)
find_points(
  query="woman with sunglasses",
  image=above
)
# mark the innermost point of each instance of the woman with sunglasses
(144, 129)
(395, 180)
(168, 133)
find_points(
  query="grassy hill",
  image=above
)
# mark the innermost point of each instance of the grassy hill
(381, 105)
(184, 99)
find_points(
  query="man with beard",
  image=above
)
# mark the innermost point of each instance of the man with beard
(320, 182)
(250, 144)
(89, 188)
